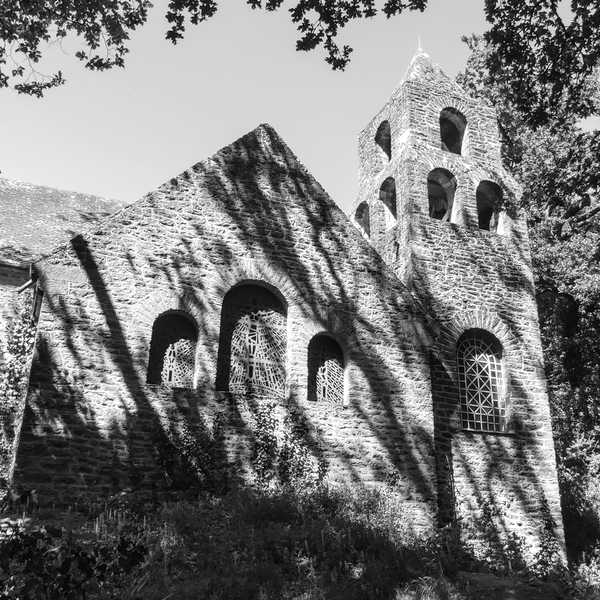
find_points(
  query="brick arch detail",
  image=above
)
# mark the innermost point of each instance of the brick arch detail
(452, 328)
(450, 101)
(508, 184)
(376, 123)
(384, 115)
(458, 104)
(510, 188)
(462, 321)
(428, 163)
(257, 272)
(163, 300)
(252, 270)
(451, 162)
(467, 110)
(336, 331)
(314, 328)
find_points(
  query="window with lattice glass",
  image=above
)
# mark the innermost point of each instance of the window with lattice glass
(480, 380)
(173, 350)
(252, 349)
(178, 364)
(325, 370)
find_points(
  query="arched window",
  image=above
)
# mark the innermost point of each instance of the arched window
(173, 350)
(482, 403)
(452, 129)
(325, 370)
(441, 187)
(252, 344)
(489, 200)
(361, 216)
(387, 195)
(383, 138)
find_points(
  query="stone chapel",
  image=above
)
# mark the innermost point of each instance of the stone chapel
(403, 337)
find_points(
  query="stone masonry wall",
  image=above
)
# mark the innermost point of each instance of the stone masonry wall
(249, 214)
(466, 278)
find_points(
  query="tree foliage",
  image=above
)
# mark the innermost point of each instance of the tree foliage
(542, 63)
(104, 28)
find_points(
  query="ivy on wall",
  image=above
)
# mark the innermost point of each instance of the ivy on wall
(280, 454)
(195, 456)
(20, 338)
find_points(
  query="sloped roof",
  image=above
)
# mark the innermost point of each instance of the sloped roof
(34, 218)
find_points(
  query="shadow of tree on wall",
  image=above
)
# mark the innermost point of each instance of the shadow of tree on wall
(94, 427)
(509, 474)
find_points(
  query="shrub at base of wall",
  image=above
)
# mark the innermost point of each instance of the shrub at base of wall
(13, 381)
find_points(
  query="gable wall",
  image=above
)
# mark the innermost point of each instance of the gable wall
(250, 214)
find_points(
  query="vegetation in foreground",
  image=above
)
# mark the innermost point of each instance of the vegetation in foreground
(253, 544)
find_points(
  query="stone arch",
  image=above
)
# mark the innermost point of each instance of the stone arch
(444, 343)
(253, 270)
(383, 139)
(326, 370)
(173, 350)
(510, 219)
(361, 217)
(489, 199)
(453, 125)
(453, 327)
(184, 299)
(252, 342)
(441, 189)
(387, 196)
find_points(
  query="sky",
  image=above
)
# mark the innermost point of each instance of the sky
(122, 133)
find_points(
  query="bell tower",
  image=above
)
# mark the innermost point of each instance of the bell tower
(436, 203)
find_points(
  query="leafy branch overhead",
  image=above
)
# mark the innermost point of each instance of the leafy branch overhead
(104, 28)
(540, 60)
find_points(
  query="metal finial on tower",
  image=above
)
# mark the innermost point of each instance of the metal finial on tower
(419, 48)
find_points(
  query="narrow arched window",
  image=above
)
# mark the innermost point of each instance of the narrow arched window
(173, 350)
(252, 344)
(452, 130)
(325, 370)
(441, 187)
(383, 139)
(480, 381)
(361, 216)
(387, 195)
(489, 200)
